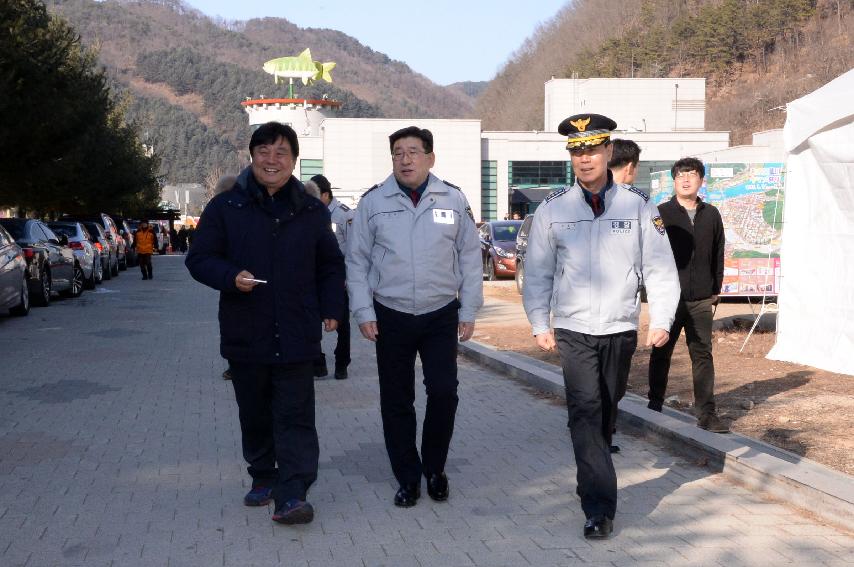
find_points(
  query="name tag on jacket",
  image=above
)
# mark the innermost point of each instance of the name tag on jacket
(443, 216)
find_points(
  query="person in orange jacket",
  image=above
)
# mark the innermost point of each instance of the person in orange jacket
(144, 241)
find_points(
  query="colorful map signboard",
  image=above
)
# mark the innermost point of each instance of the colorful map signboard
(749, 197)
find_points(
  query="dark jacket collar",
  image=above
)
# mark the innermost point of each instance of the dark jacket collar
(249, 188)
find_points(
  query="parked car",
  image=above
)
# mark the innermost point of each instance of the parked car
(126, 232)
(498, 248)
(87, 253)
(51, 265)
(14, 291)
(98, 238)
(118, 247)
(521, 250)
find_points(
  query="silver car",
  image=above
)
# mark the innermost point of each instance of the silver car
(88, 255)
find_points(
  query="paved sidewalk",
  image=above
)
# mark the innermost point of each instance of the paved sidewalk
(119, 445)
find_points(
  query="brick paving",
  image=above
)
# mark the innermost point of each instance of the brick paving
(120, 446)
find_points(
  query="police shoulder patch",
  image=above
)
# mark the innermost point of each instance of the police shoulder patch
(556, 194)
(451, 185)
(638, 192)
(658, 223)
(469, 213)
(344, 207)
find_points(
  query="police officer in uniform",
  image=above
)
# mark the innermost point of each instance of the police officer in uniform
(590, 247)
(415, 282)
(342, 217)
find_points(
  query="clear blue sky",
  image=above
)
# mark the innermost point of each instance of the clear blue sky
(445, 40)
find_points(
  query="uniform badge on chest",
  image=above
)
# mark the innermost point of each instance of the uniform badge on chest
(443, 216)
(621, 227)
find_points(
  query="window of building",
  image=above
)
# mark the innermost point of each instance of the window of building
(308, 168)
(538, 173)
(488, 190)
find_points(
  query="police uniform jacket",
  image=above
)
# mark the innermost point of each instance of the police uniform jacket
(587, 271)
(286, 240)
(414, 259)
(342, 216)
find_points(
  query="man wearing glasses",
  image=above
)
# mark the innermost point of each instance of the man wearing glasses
(696, 234)
(590, 247)
(415, 283)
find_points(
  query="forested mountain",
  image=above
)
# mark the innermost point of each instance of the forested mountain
(757, 55)
(186, 74)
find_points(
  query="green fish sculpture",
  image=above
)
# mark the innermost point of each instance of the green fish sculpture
(300, 67)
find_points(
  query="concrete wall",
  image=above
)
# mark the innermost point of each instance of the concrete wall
(645, 105)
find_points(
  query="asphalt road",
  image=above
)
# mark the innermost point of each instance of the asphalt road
(120, 446)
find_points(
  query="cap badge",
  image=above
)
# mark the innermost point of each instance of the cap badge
(581, 123)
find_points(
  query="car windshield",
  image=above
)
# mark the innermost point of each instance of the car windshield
(93, 229)
(15, 228)
(66, 229)
(506, 232)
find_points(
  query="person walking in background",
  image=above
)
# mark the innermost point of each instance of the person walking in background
(696, 234)
(589, 247)
(408, 307)
(183, 235)
(342, 217)
(143, 240)
(271, 301)
(624, 161)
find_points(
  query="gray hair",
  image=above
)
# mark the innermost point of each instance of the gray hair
(312, 189)
(225, 183)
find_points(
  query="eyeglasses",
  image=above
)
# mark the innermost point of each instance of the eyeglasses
(411, 154)
(683, 174)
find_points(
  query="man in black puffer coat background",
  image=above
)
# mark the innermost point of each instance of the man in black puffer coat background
(696, 234)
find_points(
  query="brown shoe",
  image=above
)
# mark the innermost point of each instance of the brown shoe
(711, 422)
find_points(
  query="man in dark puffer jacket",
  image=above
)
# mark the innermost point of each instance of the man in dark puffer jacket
(269, 249)
(696, 234)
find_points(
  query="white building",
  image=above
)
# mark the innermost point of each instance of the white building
(637, 105)
(500, 171)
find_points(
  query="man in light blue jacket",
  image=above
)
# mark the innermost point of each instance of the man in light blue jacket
(590, 248)
(415, 282)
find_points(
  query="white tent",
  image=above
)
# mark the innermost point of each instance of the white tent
(816, 302)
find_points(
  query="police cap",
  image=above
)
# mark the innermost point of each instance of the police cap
(586, 130)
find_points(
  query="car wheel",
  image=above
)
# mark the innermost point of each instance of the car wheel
(114, 269)
(22, 308)
(76, 283)
(107, 271)
(490, 270)
(90, 282)
(98, 271)
(42, 295)
(520, 277)
(123, 264)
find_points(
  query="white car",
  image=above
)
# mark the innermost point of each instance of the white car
(88, 256)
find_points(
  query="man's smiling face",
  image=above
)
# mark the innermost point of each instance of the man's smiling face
(273, 164)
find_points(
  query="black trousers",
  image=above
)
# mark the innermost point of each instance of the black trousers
(145, 265)
(276, 404)
(696, 318)
(595, 370)
(342, 347)
(433, 336)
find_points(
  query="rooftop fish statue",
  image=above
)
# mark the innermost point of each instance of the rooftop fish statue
(300, 67)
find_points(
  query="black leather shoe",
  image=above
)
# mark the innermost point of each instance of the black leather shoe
(437, 486)
(614, 449)
(598, 527)
(320, 370)
(340, 372)
(407, 495)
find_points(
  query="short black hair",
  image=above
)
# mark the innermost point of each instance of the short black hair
(625, 152)
(688, 164)
(323, 184)
(423, 134)
(270, 132)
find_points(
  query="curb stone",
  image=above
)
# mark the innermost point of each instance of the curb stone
(783, 475)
